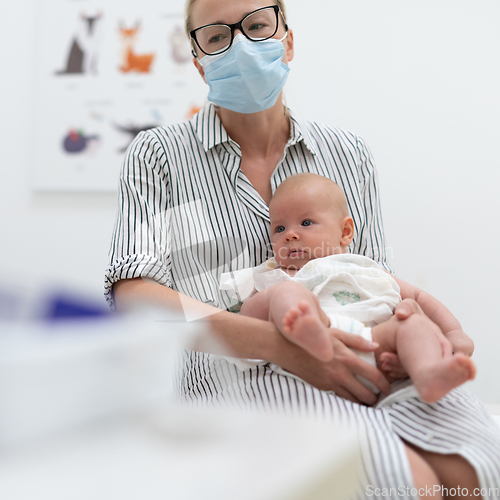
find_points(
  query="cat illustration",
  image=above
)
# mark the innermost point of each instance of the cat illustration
(82, 57)
(180, 48)
(131, 60)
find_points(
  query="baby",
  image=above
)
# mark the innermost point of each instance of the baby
(312, 284)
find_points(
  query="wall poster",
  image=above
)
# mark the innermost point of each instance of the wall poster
(105, 71)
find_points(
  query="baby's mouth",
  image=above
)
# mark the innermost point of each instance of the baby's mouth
(296, 253)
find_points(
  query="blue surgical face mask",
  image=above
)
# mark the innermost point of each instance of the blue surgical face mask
(248, 77)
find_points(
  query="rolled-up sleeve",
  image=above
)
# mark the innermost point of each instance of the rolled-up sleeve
(140, 245)
(371, 240)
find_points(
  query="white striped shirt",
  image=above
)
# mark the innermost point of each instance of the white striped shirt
(188, 213)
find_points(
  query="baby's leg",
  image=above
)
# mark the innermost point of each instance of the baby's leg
(298, 316)
(257, 306)
(296, 313)
(416, 341)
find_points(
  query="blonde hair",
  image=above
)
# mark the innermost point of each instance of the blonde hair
(189, 9)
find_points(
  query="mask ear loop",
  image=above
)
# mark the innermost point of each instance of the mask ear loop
(286, 34)
(193, 49)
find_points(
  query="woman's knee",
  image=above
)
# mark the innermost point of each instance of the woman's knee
(454, 472)
(424, 477)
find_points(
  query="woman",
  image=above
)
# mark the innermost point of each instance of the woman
(194, 204)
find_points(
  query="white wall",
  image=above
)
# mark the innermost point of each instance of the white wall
(418, 80)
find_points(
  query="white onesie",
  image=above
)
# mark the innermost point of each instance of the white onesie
(354, 291)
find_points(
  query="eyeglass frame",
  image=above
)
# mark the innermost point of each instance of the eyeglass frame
(235, 26)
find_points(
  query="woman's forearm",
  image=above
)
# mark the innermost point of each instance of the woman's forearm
(245, 337)
(234, 335)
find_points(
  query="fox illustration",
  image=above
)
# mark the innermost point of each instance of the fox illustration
(131, 60)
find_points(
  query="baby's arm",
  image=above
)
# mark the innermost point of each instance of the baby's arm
(440, 315)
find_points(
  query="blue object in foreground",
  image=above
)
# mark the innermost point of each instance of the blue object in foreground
(65, 307)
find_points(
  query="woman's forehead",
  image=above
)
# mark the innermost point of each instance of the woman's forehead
(224, 11)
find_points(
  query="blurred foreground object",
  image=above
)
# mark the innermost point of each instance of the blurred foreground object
(66, 363)
(88, 411)
(190, 454)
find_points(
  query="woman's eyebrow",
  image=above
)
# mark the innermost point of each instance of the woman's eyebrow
(225, 22)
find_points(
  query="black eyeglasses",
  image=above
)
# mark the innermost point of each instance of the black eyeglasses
(257, 26)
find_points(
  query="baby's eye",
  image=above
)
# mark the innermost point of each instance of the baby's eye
(280, 229)
(307, 222)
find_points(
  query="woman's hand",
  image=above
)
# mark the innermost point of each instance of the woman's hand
(460, 342)
(339, 374)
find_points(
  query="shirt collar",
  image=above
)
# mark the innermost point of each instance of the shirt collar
(299, 132)
(211, 132)
(209, 128)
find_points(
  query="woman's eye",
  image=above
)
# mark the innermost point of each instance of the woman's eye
(307, 222)
(216, 39)
(280, 229)
(256, 27)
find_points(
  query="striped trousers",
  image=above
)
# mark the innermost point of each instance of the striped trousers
(456, 424)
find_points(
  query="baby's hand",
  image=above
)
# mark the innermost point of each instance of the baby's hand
(460, 342)
(391, 365)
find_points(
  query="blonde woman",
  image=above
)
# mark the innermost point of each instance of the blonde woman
(194, 203)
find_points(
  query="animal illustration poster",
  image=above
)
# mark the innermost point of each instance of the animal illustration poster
(104, 72)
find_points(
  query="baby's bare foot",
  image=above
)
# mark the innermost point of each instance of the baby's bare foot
(434, 383)
(303, 327)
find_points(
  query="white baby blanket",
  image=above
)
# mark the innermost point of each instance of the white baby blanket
(349, 285)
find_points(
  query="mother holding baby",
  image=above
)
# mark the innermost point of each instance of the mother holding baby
(193, 204)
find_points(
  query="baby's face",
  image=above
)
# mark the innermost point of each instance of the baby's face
(304, 227)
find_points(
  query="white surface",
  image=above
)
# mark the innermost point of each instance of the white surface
(418, 80)
(59, 377)
(87, 410)
(189, 455)
(493, 409)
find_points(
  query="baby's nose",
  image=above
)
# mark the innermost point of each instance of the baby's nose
(292, 235)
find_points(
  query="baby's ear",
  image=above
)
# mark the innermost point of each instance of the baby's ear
(347, 227)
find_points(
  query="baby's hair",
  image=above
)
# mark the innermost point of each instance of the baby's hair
(298, 182)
